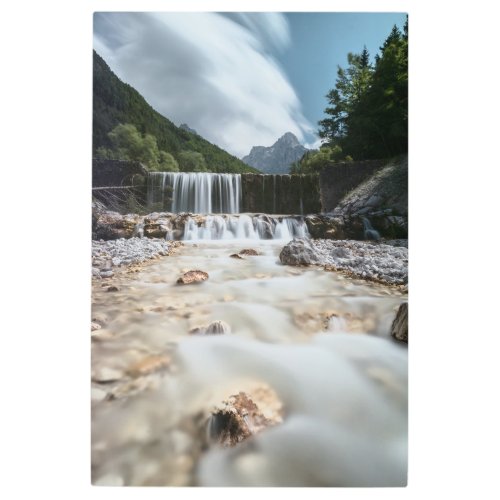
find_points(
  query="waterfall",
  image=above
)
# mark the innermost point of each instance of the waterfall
(195, 192)
(370, 233)
(245, 227)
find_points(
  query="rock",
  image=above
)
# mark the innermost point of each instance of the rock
(324, 226)
(107, 274)
(112, 225)
(189, 277)
(105, 375)
(248, 251)
(214, 328)
(112, 289)
(236, 256)
(94, 326)
(239, 419)
(399, 328)
(299, 252)
(148, 365)
(109, 480)
(374, 201)
(97, 395)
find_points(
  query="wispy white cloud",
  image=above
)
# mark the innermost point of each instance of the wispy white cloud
(215, 72)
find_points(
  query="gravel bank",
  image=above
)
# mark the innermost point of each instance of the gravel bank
(373, 261)
(107, 255)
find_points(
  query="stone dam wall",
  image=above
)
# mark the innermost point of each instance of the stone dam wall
(271, 194)
(118, 173)
(280, 194)
(338, 179)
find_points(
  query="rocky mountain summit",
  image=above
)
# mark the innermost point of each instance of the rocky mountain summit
(277, 158)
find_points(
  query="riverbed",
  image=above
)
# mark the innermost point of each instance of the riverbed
(312, 348)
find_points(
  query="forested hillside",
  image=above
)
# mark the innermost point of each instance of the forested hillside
(115, 103)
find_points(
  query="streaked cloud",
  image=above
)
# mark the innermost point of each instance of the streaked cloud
(216, 72)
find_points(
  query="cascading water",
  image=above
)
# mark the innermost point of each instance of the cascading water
(245, 227)
(370, 233)
(207, 194)
(195, 192)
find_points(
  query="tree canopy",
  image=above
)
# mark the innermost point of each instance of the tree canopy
(127, 143)
(367, 113)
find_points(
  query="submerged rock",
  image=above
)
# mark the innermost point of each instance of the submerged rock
(248, 251)
(105, 375)
(399, 328)
(298, 253)
(239, 419)
(109, 480)
(149, 364)
(214, 328)
(189, 277)
(97, 395)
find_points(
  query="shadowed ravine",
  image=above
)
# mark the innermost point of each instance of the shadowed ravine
(311, 348)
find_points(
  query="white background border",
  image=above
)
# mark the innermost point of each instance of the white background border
(46, 117)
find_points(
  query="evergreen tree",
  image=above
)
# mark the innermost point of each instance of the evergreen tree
(351, 84)
(368, 108)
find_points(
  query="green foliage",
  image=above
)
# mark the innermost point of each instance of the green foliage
(191, 161)
(368, 108)
(315, 160)
(167, 163)
(129, 144)
(115, 102)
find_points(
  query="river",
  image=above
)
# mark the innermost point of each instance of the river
(311, 347)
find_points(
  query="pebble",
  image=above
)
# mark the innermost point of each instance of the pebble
(94, 326)
(109, 480)
(105, 374)
(97, 394)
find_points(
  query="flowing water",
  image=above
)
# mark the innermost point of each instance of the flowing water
(245, 227)
(195, 192)
(315, 343)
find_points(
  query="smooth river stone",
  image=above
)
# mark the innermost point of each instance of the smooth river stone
(189, 277)
(106, 374)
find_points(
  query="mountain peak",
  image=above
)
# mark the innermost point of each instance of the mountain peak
(277, 158)
(288, 138)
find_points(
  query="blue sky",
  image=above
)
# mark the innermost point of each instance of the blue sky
(321, 41)
(239, 79)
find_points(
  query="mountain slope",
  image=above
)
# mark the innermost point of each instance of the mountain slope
(116, 102)
(277, 158)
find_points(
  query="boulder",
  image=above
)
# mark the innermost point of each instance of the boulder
(399, 328)
(299, 252)
(112, 225)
